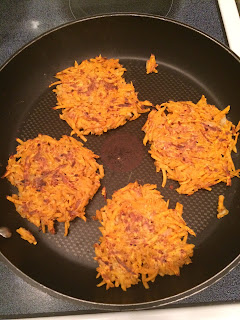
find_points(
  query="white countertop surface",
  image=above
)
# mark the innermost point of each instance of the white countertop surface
(231, 21)
(213, 312)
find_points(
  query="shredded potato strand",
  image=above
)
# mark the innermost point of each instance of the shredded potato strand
(26, 235)
(192, 143)
(55, 180)
(94, 97)
(141, 237)
(151, 65)
(222, 211)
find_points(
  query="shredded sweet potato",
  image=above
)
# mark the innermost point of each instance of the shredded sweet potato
(151, 65)
(94, 97)
(141, 237)
(104, 193)
(192, 144)
(26, 235)
(55, 180)
(222, 211)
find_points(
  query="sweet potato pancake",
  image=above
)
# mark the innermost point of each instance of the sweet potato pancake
(94, 97)
(151, 65)
(141, 237)
(55, 180)
(192, 144)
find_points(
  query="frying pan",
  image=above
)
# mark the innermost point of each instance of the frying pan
(190, 64)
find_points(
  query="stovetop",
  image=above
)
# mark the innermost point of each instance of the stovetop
(21, 22)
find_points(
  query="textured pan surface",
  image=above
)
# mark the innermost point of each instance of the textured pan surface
(66, 264)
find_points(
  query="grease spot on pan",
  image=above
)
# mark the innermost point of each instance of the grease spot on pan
(122, 152)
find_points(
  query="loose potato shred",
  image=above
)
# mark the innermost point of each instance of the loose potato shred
(151, 65)
(222, 211)
(55, 180)
(192, 144)
(26, 235)
(141, 237)
(94, 97)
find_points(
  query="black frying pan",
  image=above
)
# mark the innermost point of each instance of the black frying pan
(190, 64)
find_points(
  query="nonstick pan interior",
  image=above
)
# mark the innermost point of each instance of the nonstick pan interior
(190, 65)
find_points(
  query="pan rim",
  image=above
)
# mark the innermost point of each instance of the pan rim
(127, 14)
(132, 306)
(128, 307)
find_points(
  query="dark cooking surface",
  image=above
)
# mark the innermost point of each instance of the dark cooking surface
(16, 296)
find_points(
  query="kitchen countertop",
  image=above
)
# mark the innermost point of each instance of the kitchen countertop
(21, 22)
